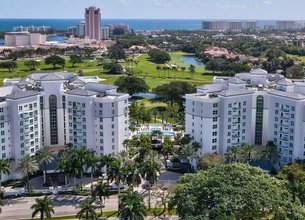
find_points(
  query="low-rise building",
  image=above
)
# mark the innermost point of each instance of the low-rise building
(24, 39)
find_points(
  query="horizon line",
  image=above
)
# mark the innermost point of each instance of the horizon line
(241, 19)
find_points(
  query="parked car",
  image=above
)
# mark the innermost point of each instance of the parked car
(98, 204)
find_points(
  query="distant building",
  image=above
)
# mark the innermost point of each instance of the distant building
(72, 30)
(222, 25)
(81, 29)
(251, 25)
(24, 39)
(32, 28)
(285, 25)
(105, 33)
(111, 27)
(93, 23)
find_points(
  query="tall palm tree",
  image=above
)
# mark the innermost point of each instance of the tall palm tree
(233, 154)
(183, 68)
(27, 166)
(155, 113)
(44, 207)
(132, 175)
(93, 163)
(150, 169)
(115, 172)
(158, 68)
(4, 169)
(106, 160)
(81, 156)
(64, 164)
(124, 157)
(188, 153)
(174, 68)
(87, 210)
(102, 192)
(44, 157)
(271, 154)
(192, 69)
(249, 152)
(167, 149)
(132, 206)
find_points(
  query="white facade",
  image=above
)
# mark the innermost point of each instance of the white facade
(255, 108)
(105, 33)
(24, 39)
(56, 109)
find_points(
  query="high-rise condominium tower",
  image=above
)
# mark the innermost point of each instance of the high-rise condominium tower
(93, 23)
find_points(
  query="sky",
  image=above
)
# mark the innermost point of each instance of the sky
(157, 9)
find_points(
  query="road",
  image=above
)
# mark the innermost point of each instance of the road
(63, 205)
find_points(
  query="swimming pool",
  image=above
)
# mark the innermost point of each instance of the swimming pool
(164, 133)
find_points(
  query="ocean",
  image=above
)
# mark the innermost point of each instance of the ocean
(136, 24)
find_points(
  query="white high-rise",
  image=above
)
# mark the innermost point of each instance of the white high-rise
(254, 107)
(55, 109)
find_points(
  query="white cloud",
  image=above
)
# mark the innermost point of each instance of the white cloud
(268, 2)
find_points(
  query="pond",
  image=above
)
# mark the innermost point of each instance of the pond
(146, 95)
(190, 59)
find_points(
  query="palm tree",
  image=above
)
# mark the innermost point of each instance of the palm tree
(167, 149)
(86, 210)
(93, 163)
(81, 156)
(132, 206)
(132, 175)
(44, 157)
(271, 154)
(188, 153)
(183, 68)
(249, 151)
(102, 192)
(192, 69)
(155, 113)
(150, 170)
(164, 68)
(27, 166)
(4, 169)
(123, 156)
(44, 207)
(106, 160)
(158, 68)
(116, 173)
(233, 154)
(64, 164)
(174, 68)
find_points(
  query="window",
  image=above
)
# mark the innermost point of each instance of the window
(244, 110)
(292, 115)
(229, 126)
(214, 126)
(215, 112)
(3, 147)
(229, 112)
(229, 119)
(215, 105)
(230, 105)
(53, 119)
(214, 147)
(214, 140)
(276, 104)
(214, 133)
(215, 119)
(228, 141)
(244, 103)
(20, 108)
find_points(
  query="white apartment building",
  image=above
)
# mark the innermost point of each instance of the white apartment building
(24, 39)
(254, 107)
(56, 109)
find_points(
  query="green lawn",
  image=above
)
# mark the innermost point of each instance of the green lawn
(145, 69)
(301, 58)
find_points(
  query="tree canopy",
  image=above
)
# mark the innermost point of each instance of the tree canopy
(233, 191)
(8, 65)
(173, 92)
(55, 60)
(113, 67)
(159, 56)
(116, 52)
(131, 85)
